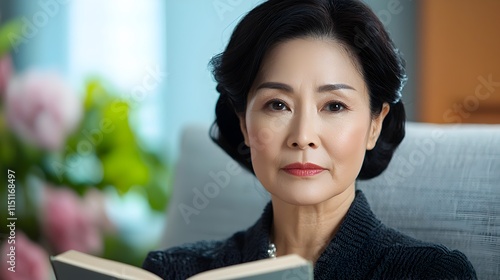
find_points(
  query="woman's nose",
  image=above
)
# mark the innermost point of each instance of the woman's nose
(303, 132)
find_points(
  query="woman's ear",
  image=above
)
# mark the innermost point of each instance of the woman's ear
(243, 128)
(376, 126)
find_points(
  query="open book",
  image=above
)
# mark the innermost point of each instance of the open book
(73, 265)
(291, 267)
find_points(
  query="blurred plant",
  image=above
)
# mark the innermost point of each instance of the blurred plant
(67, 156)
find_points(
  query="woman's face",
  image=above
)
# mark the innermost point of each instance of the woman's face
(308, 121)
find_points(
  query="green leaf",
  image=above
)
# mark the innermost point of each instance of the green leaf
(123, 169)
(8, 34)
(96, 95)
(158, 189)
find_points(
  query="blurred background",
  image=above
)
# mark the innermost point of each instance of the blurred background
(94, 95)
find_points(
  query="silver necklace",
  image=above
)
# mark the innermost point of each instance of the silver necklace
(271, 250)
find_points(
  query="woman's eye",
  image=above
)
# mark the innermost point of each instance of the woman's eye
(277, 105)
(335, 107)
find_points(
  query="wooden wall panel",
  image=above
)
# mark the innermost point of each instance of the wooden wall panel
(459, 70)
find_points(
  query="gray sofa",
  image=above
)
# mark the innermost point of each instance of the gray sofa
(443, 185)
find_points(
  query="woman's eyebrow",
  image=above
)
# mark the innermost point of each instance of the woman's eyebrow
(287, 88)
(334, 87)
(275, 85)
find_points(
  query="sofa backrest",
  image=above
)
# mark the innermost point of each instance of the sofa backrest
(442, 186)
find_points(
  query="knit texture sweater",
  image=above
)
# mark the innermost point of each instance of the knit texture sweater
(363, 248)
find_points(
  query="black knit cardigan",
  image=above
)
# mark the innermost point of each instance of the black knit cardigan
(363, 248)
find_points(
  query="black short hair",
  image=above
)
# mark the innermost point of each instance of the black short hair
(349, 22)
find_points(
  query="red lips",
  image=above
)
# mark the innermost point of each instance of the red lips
(303, 169)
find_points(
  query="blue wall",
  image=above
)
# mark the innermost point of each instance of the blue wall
(196, 31)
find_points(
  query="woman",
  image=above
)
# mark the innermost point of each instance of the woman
(310, 101)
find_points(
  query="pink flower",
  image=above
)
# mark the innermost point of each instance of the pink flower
(30, 262)
(68, 224)
(42, 109)
(5, 72)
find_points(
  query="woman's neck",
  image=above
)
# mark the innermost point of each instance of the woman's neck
(307, 230)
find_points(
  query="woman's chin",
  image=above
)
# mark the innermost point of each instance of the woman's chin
(305, 195)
